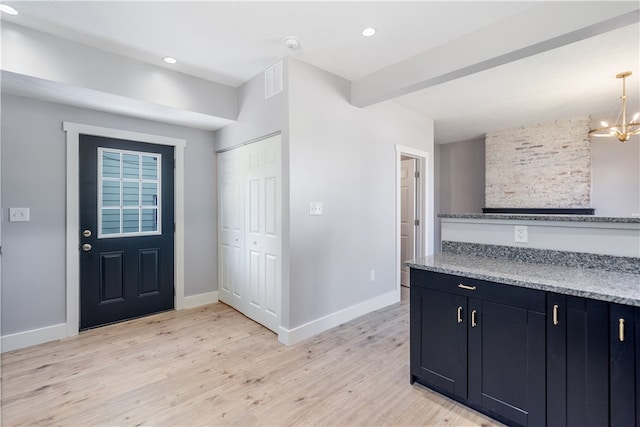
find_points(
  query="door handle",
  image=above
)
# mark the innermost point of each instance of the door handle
(473, 318)
(86, 247)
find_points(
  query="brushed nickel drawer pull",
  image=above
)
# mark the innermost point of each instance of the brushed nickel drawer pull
(555, 314)
(473, 319)
(459, 314)
(621, 329)
(467, 287)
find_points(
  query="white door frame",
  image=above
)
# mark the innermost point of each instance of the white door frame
(408, 212)
(424, 193)
(73, 131)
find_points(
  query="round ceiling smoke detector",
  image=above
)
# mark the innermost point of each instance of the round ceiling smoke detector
(292, 43)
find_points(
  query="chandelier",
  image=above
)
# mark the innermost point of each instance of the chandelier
(625, 130)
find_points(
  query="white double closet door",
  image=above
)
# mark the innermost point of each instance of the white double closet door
(250, 230)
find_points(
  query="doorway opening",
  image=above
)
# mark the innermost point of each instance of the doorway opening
(409, 222)
(413, 233)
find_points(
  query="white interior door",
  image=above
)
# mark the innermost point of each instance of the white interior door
(407, 216)
(230, 228)
(263, 232)
(249, 230)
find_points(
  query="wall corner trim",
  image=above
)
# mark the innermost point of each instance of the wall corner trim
(33, 337)
(192, 301)
(309, 329)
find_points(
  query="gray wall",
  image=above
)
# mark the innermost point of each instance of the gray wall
(461, 175)
(34, 174)
(615, 177)
(344, 157)
(460, 172)
(257, 116)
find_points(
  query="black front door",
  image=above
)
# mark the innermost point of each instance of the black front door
(126, 229)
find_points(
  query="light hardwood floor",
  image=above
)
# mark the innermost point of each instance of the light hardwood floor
(213, 366)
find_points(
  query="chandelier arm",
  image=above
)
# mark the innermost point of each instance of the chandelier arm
(621, 131)
(613, 128)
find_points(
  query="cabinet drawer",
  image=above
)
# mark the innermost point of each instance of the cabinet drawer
(530, 299)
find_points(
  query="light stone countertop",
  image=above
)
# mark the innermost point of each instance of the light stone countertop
(622, 288)
(544, 217)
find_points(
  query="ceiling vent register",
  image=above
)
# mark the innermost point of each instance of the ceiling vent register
(273, 80)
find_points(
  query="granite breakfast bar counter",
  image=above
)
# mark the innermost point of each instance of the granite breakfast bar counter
(610, 286)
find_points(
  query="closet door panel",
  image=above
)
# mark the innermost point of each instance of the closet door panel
(249, 231)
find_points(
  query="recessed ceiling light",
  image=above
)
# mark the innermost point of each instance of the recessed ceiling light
(8, 9)
(368, 32)
(170, 60)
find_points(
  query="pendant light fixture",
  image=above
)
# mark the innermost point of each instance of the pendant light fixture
(623, 130)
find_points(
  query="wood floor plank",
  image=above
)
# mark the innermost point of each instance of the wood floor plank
(212, 366)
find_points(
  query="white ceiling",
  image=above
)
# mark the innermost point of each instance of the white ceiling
(577, 80)
(233, 41)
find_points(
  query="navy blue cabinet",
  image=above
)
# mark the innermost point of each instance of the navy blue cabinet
(577, 361)
(523, 356)
(435, 325)
(481, 343)
(625, 365)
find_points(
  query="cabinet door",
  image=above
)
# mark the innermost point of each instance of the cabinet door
(587, 360)
(556, 360)
(624, 366)
(439, 340)
(507, 361)
(577, 361)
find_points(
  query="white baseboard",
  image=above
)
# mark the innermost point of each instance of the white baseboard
(192, 301)
(285, 336)
(33, 337)
(55, 332)
(302, 332)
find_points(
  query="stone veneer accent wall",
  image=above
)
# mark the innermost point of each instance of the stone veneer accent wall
(547, 165)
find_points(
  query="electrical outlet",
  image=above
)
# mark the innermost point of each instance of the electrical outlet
(18, 214)
(315, 208)
(521, 234)
(373, 275)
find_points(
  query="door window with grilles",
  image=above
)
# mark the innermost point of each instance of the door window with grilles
(129, 189)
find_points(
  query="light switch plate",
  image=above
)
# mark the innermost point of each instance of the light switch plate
(18, 214)
(315, 208)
